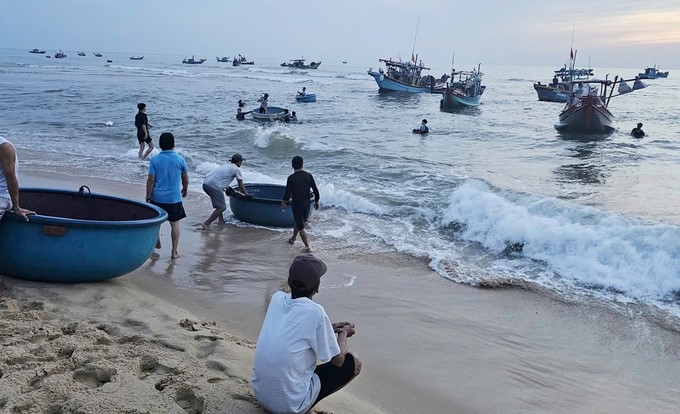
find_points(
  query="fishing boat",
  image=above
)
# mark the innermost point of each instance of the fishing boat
(42, 52)
(587, 109)
(300, 64)
(241, 60)
(223, 59)
(309, 97)
(274, 113)
(77, 236)
(97, 54)
(401, 76)
(136, 57)
(193, 61)
(464, 91)
(652, 73)
(558, 89)
(262, 205)
(59, 55)
(81, 53)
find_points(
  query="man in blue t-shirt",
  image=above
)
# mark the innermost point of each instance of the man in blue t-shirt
(167, 174)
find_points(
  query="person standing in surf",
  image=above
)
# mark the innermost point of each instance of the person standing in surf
(142, 124)
(298, 186)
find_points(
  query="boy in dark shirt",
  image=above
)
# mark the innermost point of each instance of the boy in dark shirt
(298, 186)
(637, 132)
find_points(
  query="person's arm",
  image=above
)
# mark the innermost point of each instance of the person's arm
(185, 184)
(345, 332)
(7, 159)
(316, 194)
(149, 187)
(286, 195)
(241, 186)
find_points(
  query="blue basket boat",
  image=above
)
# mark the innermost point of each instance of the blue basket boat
(310, 97)
(263, 205)
(77, 236)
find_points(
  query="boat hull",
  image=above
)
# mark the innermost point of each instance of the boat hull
(588, 115)
(263, 206)
(274, 113)
(310, 97)
(456, 100)
(386, 84)
(77, 237)
(547, 93)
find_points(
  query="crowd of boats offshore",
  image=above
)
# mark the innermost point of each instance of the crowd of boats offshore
(586, 97)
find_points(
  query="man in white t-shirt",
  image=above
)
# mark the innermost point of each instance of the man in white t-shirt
(9, 183)
(217, 182)
(296, 333)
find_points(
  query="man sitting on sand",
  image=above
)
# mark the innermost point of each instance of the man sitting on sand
(295, 334)
(216, 183)
(298, 185)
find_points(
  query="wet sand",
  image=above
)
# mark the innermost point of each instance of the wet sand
(178, 336)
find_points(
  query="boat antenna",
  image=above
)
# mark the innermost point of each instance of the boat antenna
(413, 51)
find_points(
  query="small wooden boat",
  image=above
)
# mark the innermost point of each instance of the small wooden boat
(97, 54)
(652, 73)
(262, 206)
(42, 52)
(300, 64)
(464, 92)
(77, 236)
(59, 55)
(274, 113)
(558, 89)
(136, 57)
(309, 97)
(81, 53)
(223, 59)
(193, 61)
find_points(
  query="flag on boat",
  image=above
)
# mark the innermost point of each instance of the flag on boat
(571, 54)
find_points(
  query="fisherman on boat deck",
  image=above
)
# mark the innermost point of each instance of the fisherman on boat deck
(637, 132)
(263, 103)
(554, 81)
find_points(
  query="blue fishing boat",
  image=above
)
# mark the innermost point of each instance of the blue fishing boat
(59, 55)
(558, 89)
(309, 97)
(652, 73)
(40, 51)
(403, 77)
(465, 91)
(77, 236)
(223, 59)
(300, 64)
(262, 206)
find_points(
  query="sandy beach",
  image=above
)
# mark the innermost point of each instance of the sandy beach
(170, 338)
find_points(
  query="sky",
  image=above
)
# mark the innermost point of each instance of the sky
(606, 33)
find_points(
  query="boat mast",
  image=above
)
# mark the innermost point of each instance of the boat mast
(414, 40)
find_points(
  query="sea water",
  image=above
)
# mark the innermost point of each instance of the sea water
(493, 196)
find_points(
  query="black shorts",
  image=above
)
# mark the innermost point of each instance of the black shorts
(142, 139)
(333, 378)
(175, 210)
(300, 214)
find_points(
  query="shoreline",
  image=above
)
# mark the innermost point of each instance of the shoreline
(427, 343)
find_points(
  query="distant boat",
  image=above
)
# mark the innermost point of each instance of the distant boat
(59, 55)
(42, 52)
(241, 60)
(300, 64)
(48, 56)
(558, 89)
(652, 73)
(344, 61)
(223, 59)
(97, 54)
(193, 61)
(136, 57)
(464, 92)
(81, 53)
(109, 61)
(403, 77)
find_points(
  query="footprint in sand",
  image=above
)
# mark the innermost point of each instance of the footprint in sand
(93, 376)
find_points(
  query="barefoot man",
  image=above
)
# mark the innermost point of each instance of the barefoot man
(298, 186)
(142, 124)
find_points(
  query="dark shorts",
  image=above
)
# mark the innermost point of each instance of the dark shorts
(300, 214)
(333, 378)
(175, 211)
(142, 139)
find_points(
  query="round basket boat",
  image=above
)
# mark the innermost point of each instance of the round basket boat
(263, 205)
(77, 236)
